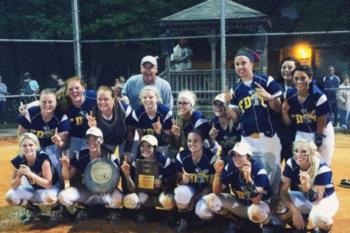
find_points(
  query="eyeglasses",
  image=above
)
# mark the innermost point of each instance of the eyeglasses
(301, 79)
(182, 103)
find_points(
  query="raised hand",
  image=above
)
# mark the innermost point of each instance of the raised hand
(175, 130)
(56, 138)
(213, 133)
(304, 178)
(186, 177)
(125, 167)
(22, 109)
(157, 126)
(285, 107)
(65, 160)
(91, 120)
(247, 170)
(219, 166)
(227, 95)
(260, 91)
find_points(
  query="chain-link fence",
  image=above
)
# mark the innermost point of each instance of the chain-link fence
(37, 37)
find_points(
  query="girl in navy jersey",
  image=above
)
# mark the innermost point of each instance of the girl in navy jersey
(188, 119)
(224, 130)
(113, 117)
(33, 180)
(161, 196)
(306, 108)
(76, 103)
(49, 124)
(195, 176)
(255, 97)
(312, 192)
(153, 117)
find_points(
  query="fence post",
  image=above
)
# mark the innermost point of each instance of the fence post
(76, 35)
(223, 44)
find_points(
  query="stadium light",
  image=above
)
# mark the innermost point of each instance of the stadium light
(303, 52)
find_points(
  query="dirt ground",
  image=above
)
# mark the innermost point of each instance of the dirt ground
(8, 148)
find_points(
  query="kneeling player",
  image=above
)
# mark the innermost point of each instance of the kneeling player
(249, 185)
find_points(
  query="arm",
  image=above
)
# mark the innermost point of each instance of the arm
(68, 171)
(321, 124)
(285, 113)
(218, 187)
(16, 178)
(298, 220)
(45, 181)
(275, 104)
(21, 130)
(130, 184)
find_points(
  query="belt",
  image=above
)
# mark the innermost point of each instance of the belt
(256, 135)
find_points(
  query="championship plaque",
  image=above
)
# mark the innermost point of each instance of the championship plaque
(101, 176)
(146, 173)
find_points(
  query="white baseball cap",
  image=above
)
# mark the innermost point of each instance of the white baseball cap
(94, 131)
(150, 139)
(241, 148)
(150, 59)
(220, 97)
(259, 213)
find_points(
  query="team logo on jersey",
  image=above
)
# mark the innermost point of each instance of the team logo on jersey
(305, 117)
(253, 100)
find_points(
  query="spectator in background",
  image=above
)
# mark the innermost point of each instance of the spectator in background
(3, 93)
(330, 82)
(181, 56)
(343, 97)
(148, 76)
(52, 83)
(30, 86)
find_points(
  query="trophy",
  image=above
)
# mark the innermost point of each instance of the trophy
(101, 176)
(146, 173)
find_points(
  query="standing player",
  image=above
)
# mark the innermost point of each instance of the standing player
(188, 119)
(249, 186)
(306, 108)
(77, 103)
(153, 117)
(195, 171)
(48, 124)
(255, 97)
(224, 130)
(312, 192)
(113, 117)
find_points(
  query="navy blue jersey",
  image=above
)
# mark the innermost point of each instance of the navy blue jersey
(82, 159)
(255, 111)
(323, 177)
(304, 114)
(114, 130)
(36, 168)
(200, 171)
(144, 123)
(228, 137)
(231, 176)
(78, 116)
(197, 121)
(34, 122)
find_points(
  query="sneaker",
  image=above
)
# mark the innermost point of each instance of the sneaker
(345, 183)
(181, 226)
(29, 215)
(81, 215)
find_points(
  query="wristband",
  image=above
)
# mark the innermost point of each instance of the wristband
(312, 195)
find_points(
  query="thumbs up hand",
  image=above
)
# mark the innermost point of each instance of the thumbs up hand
(186, 177)
(157, 126)
(91, 120)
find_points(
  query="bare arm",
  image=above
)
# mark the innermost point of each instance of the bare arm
(16, 178)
